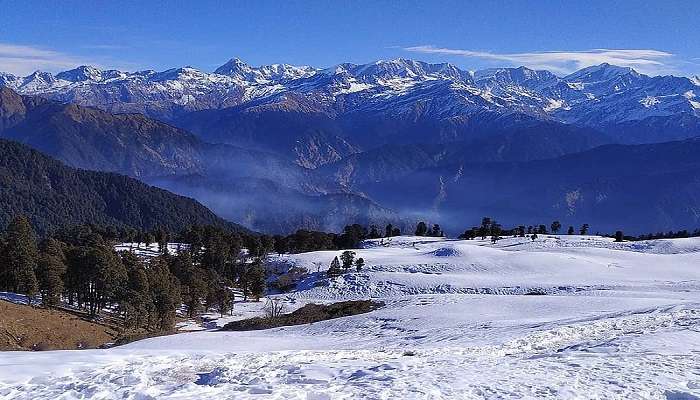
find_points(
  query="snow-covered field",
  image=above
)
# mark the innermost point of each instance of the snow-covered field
(561, 317)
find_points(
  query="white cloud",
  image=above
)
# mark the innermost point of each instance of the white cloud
(646, 61)
(23, 60)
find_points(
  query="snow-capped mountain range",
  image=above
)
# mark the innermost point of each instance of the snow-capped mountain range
(593, 96)
(376, 142)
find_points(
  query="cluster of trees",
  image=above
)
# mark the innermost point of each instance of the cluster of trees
(423, 230)
(491, 228)
(80, 267)
(351, 236)
(346, 262)
(668, 235)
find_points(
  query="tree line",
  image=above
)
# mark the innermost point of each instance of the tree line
(491, 228)
(79, 268)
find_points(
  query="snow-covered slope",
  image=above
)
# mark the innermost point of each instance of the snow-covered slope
(612, 320)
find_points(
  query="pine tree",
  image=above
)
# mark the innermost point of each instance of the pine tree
(421, 229)
(584, 229)
(359, 264)
(135, 302)
(571, 230)
(19, 258)
(347, 257)
(164, 291)
(389, 230)
(495, 232)
(619, 237)
(104, 277)
(556, 225)
(50, 271)
(256, 280)
(223, 298)
(193, 289)
(334, 269)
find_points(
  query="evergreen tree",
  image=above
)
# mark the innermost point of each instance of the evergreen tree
(19, 258)
(396, 232)
(619, 237)
(359, 264)
(571, 230)
(334, 269)
(213, 282)
(164, 291)
(352, 236)
(436, 231)
(542, 230)
(193, 287)
(421, 229)
(389, 230)
(161, 236)
(347, 258)
(135, 302)
(223, 298)
(495, 232)
(50, 271)
(556, 225)
(104, 277)
(256, 280)
(584, 229)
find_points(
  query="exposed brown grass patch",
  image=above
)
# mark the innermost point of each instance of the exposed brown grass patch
(30, 328)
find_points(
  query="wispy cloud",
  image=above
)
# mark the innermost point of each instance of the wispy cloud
(105, 47)
(22, 60)
(647, 61)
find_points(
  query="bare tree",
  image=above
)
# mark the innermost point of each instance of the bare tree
(274, 307)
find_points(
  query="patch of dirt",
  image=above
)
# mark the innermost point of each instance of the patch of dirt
(308, 314)
(24, 327)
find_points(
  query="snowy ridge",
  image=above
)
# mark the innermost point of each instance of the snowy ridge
(592, 96)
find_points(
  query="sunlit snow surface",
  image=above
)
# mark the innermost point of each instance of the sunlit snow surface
(617, 320)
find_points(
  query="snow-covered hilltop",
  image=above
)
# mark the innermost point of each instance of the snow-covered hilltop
(558, 317)
(594, 96)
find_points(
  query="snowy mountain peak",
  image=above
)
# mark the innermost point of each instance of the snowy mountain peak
(601, 72)
(515, 76)
(242, 71)
(184, 73)
(398, 69)
(80, 74)
(234, 67)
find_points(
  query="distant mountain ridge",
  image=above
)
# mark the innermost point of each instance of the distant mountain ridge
(587, 96)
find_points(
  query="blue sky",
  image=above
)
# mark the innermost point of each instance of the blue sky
(654, 37)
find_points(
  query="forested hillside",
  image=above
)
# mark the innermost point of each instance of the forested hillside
(53, 195)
